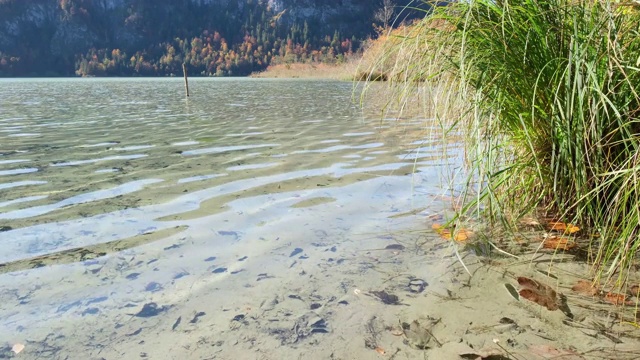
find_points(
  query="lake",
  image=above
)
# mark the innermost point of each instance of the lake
(252, 220)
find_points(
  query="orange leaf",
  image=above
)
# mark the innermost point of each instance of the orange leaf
(571, 229)
(462, 235)
(566, 228)
(558, 243)
(539, 293)
(616, 298)
(380, 350)
(557, 226)
(585, 288)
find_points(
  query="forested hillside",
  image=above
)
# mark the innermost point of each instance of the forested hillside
(154, 37)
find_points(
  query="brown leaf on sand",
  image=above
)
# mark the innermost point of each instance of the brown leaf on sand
(549, 352)
(585, 287)
(557, 226)
(539, 299)
(539, 293)
(558, 243)
(617, 299)
(380, 350)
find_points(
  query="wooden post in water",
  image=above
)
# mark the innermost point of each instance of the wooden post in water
(186, 81)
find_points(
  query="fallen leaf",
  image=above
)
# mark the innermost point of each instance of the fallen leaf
(462, 235)
(571, 229)
(459, 235)
(539, 293)
(585, 287)
(557, 226)
(441, 230)
(539, 299)
(380, 350)
(616, 298)
(634, 290)
(17, 348)
(558, 243)
(563, 227)
(512, 291)
(387, 298)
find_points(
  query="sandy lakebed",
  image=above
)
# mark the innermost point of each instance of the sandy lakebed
(260, 219)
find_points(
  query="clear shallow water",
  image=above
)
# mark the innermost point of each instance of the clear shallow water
(116, 193)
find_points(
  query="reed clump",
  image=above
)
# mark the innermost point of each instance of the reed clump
(547, 94)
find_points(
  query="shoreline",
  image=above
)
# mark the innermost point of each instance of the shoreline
(343, 71)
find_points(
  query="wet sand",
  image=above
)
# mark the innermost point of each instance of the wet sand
(388, 289)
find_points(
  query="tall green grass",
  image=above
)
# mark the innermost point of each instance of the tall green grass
(548, 96)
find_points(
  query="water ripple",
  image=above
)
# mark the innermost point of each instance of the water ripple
(21, 183)
(79, 199)
(222, 149)
(5, 162)
(339, 148)
(18, 171)
(22, 200)
(108, 158)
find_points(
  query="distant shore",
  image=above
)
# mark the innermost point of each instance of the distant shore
(343, 71)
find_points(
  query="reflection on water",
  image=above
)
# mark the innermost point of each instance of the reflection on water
(128, 193)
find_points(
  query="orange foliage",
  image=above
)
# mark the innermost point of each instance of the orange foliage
(558, 243)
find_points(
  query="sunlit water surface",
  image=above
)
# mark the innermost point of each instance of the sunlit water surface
(119, 193)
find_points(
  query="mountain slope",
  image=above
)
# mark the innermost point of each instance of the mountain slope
(154, 37)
